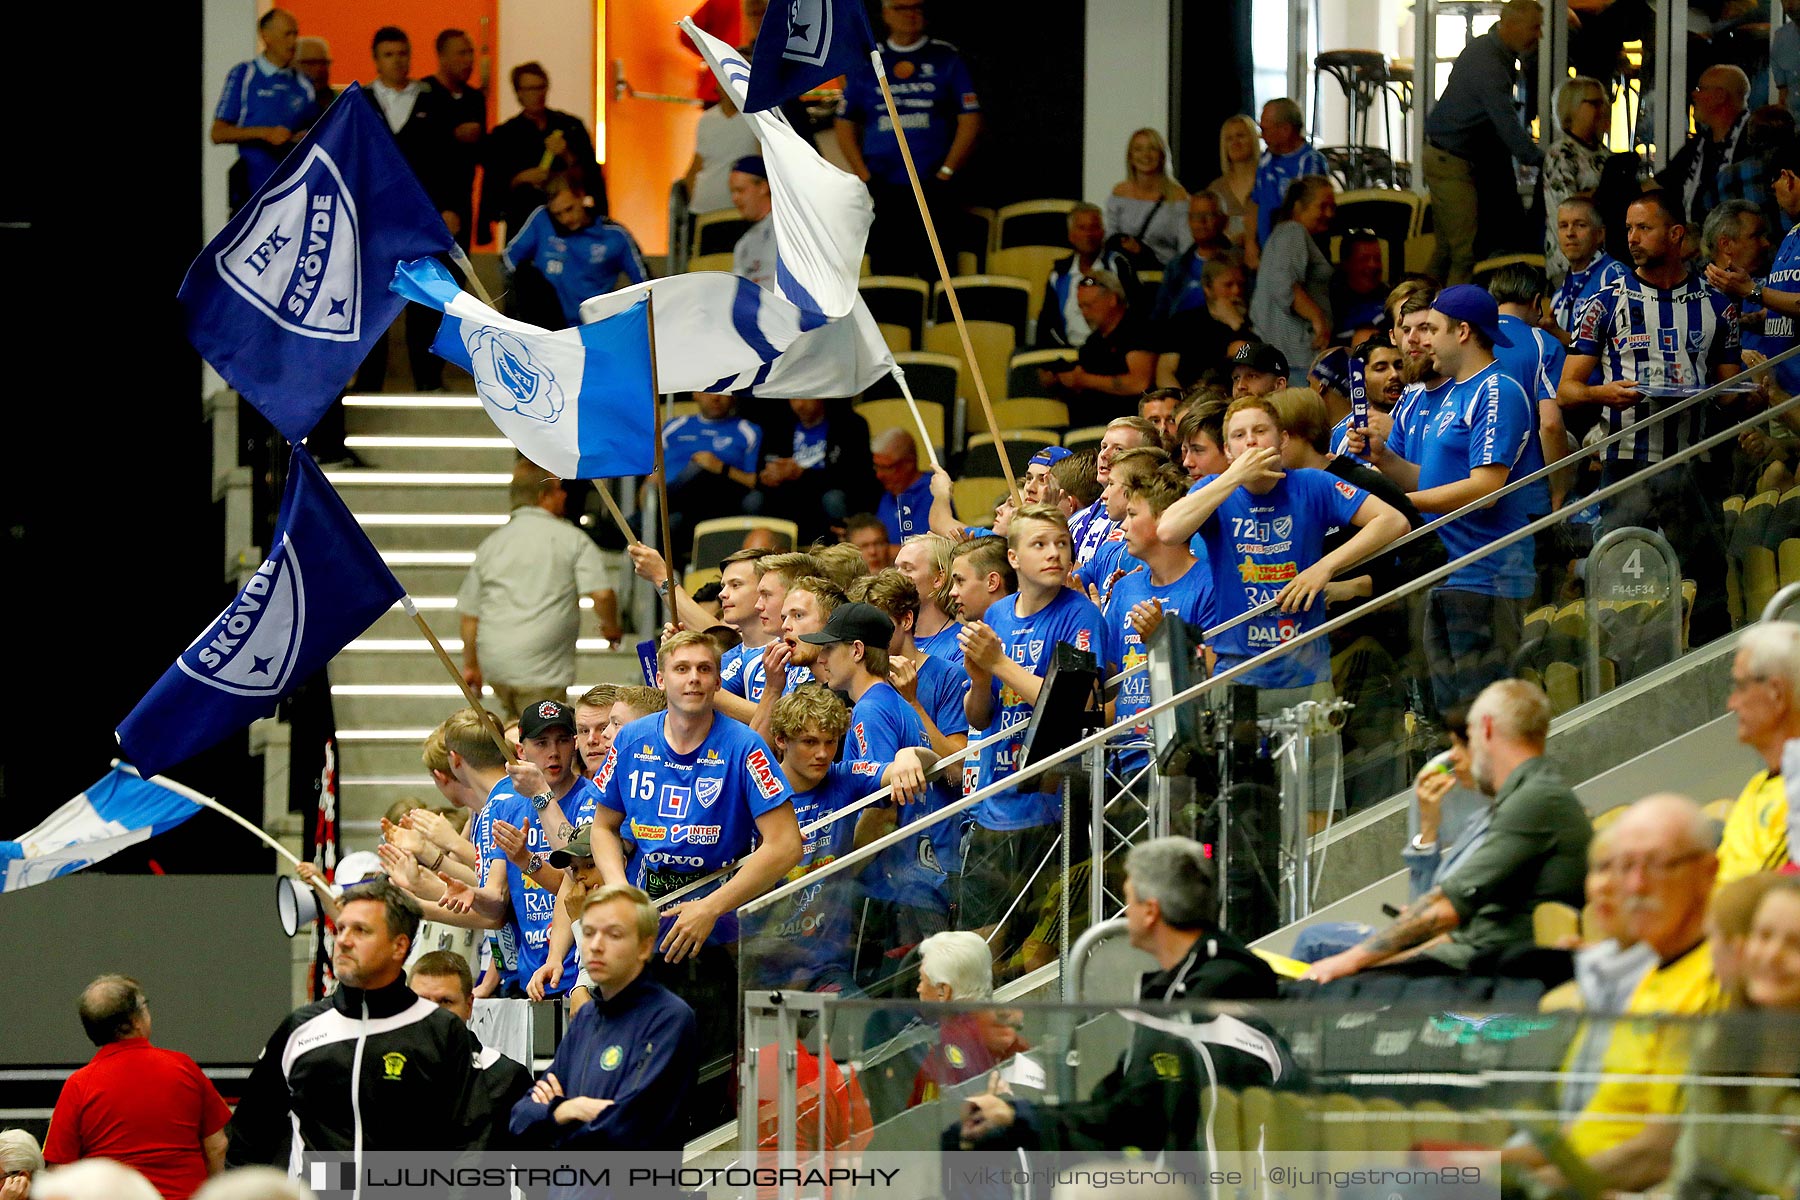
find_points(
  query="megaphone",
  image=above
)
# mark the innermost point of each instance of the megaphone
(295, 903)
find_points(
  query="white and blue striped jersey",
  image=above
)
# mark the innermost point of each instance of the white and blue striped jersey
(1672, 342)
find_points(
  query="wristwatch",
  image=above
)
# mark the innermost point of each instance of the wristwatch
(945, 172)
(534, 864)
(542, 800)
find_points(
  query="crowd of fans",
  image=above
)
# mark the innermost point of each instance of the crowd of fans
(1275, 425)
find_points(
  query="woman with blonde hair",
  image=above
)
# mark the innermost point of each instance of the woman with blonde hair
(1572, 164)
(1238, 152)
(1146, 215)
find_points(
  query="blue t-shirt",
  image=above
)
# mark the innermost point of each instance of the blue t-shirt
(581, 801)
(931, 87)
(943, 644)
(1486, 421)
(882, 724)
(909, 512)
(1256, 545)
(533, 907)
(810, 444)
(578, 265)
(748, 679)
(687, 815)
(1109, 556)
(1778, 331)
(943, 686)
(807, 937)
(1029, 641)
(1535, 360)
(1182, 287)
(1190, 598)
(737, 442)
(1273, 174)
(257, 93)
(1413, 414)
(505, 940)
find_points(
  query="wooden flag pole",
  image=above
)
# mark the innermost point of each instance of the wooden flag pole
(461, 258)
(204, 801)
(467, 691)
(918, 418)
(662, 474)
(937, 252)
(612, 506)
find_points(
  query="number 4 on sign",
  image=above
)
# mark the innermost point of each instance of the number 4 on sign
(1634, 566)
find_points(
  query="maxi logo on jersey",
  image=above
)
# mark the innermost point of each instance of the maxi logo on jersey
(250, 649)
(296, 257)
(766, 783)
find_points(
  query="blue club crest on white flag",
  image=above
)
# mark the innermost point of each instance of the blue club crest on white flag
(509, 376)
(296, 257)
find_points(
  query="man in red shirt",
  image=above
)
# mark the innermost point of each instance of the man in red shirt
(149, 1108)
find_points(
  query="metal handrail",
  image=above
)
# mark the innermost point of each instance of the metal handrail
(857, 857)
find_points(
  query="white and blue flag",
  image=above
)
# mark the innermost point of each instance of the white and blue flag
(288, 300)
(578, 402)
(322, 585)
(821, 213)
(114, 814)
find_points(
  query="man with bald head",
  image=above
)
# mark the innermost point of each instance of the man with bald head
(152, 1109)
(1535, 850)
(265, 107)
(1662, 866)
(1719, 115)
(1472, 135)
(905, 506)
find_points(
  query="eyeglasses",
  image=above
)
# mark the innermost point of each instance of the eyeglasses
(1653, 868)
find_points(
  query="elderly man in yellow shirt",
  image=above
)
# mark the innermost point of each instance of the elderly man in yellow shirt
(1765, 695)
(1663, 867)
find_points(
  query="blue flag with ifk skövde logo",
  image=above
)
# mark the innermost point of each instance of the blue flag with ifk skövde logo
(322, 584)
(805, 43)
(290, 297)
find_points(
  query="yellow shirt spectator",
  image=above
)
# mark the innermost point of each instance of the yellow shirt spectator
(1756, 832)
(1641, 1074)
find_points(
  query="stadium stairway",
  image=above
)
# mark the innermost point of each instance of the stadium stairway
(434, 484)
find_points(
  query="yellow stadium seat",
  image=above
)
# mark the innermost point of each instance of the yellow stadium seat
(1086, 438)
(1552, 923)
(1787, 559)
(1227, 1132)
(714, 539)
(711, 262)
(993, 344)
(715, 232)
(1004, 299)
(975, 497)
(1507, 260)
(1022, 370)
(1390, 1125)
(1562, 683)
(883, 415)
(1021, 411)
(1761, 581)
(1030, 263)
(1032, 223)
(899, 338)
(699, 577)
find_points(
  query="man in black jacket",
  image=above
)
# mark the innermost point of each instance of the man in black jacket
(373, 1067)
(817, 468)
(1152, 1099)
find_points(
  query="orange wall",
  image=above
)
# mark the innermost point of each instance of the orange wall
(649, 142)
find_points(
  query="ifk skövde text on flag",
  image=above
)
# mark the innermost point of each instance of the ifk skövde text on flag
(288, 300)
(804, 43)
(821, 214)
(118, 812)
(322, 584)
(577, 402)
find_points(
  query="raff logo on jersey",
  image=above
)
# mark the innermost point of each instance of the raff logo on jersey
(510, 377)
(297, 257)
(809, 32)
(766, 782)
(251, 648)
(706, 791)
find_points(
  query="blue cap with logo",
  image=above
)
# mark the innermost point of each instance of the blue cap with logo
(1049, 456)
(1466, 302)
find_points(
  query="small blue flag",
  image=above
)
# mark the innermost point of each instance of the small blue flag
(647, 662)
(578, 402)
(804, 43)
(118, 812)
(288, 300)
(322, 584)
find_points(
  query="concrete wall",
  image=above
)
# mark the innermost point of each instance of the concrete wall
(207, 949)
(1127, 67)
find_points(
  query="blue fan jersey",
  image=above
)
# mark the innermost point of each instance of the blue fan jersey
(532, 906)
(1029, 641)
(687, 815)
(1189, 598)
(1256, 545)
(577, 265)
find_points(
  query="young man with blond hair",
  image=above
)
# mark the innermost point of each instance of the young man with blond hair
(1007, 654)
(924, 558)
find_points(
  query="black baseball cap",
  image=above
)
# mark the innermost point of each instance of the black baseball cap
(546, 714)
(1260, 356)
(856, 622)
(579, 845)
